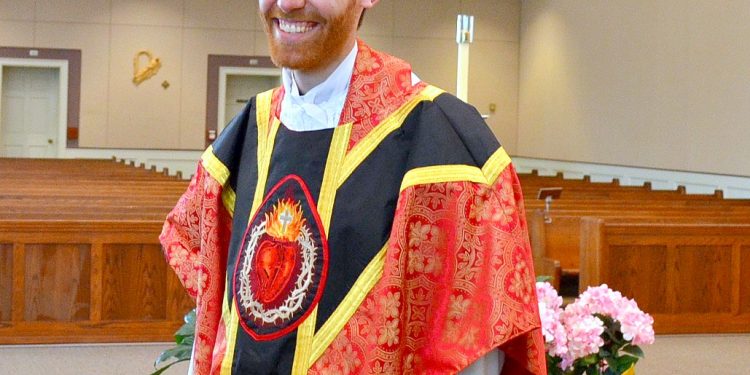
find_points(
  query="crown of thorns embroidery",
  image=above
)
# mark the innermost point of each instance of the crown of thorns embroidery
(285, 221)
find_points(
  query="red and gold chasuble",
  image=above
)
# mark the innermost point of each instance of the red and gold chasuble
(408, 254)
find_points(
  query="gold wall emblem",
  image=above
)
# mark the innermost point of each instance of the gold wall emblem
(152, 67)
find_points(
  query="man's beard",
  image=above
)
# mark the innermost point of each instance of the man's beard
(312, 54)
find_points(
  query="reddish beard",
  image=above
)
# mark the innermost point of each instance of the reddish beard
(313, 53)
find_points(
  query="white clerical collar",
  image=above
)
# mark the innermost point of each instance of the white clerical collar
(320, 108)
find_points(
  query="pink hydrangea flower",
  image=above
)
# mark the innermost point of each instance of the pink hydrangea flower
(575, 332)
(550, 308)
(546, 293)
(600, 300)
(636, 326)
(584, 335)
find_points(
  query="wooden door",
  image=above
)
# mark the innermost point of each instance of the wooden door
(30, 105)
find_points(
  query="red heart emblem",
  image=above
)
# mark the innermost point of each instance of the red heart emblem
(274, 263)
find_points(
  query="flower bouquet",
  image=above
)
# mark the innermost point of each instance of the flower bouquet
(599, 333)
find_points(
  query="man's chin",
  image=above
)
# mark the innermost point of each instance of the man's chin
(302, 56)
(292, 62)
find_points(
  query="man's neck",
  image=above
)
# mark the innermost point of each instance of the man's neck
(307, 79)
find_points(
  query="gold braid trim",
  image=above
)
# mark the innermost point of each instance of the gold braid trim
(351, 302)
(328, 188)
(495, 165)
(367, 145)
(454, 173)
(265, 146)
(214, 166)
(306, 330)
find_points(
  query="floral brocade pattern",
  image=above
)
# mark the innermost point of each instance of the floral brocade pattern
(194, 238)
(380, 84)
(457, 282)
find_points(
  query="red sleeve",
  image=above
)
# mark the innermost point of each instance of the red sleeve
(181, 235)
(458, 281)
(195, 238)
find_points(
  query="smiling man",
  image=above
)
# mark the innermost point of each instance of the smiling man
(355, 220)
(311, 39)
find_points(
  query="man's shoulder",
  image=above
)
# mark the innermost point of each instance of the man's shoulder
(239, 122)
(446, 130)
(262, 103)
(463, 119)
(243, 127)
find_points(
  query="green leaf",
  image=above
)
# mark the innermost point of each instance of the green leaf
(554, 369)
(622, 364)
(184, 338)
(626, 362)
(611, 362)
(553, 365)
(181, 352)
(633, 350)
(543, 278)
(190, 318)
(161, 370)
(186, 330)
(589, 359)
(185, 334)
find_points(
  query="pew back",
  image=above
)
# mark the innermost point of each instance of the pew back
(80, 259)
(693, 278)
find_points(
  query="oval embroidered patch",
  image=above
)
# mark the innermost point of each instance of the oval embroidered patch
(281, 269)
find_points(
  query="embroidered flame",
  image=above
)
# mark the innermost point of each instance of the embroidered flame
(285, 220)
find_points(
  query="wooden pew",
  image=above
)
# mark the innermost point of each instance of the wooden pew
(561, 239)
(80, 261)
(684, 258)
(692, 277)
(65, 282)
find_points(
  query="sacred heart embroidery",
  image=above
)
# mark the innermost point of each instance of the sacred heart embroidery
(282, 265)
(274, 263)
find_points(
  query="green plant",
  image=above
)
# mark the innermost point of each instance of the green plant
(544, 279)
(183, 350)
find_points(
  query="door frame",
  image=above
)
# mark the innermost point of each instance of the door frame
(62, 105)
(226, 71)
(215, 64)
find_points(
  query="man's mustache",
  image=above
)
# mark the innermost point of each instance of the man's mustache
(303, 14)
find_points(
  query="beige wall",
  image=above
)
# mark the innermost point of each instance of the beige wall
(423, 32)
(114, 112)
(662, 84)
(117, 114)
